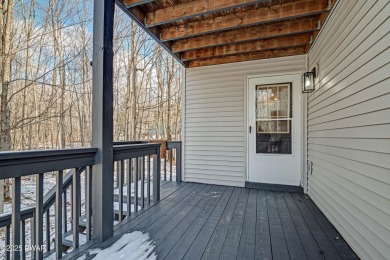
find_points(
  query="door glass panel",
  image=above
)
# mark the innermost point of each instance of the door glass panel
(273, 118)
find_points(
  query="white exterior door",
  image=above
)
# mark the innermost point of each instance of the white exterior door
(275, 130)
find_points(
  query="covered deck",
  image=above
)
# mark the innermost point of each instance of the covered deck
(186, 220)
(200, 221)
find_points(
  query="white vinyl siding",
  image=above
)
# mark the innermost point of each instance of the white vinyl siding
(215, 118)
(349, 125)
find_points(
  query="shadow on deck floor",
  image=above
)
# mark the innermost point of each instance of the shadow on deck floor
(199, 221)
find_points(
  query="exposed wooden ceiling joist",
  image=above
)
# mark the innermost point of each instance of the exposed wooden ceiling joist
(192, 9)
(250, 56)
(209, 32)
(285, 28)
(242, 19)
(247, 47)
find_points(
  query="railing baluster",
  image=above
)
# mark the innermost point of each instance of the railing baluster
(88, 202)
(71, 199)
(129, 174)
(48, 229)
(148, 185)
(170, 163)
(7, 242)
(136, 170)
(85, 190)
(120, 171)
(132, 170)
(76, 208)
(23, 236)
(143, 182)
(58, 217)
(165, 167)
(156, 175)
(16, 194)
(178, 162)
(39, 216)
(33, 234)
(65, 211)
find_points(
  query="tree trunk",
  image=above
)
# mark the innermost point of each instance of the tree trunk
(6, 23)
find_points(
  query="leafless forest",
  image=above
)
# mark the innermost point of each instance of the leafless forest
(46, 78)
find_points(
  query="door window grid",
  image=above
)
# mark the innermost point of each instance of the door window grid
(273, 118)
(273, 109)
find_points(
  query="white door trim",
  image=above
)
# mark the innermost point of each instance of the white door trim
(303, 144)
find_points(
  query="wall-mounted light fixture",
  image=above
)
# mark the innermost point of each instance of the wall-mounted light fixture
(308, 81)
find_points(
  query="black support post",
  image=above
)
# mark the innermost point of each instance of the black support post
(102, 119)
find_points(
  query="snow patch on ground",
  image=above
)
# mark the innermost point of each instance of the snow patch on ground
(116, 191)
(135, 245)
(116, 207)
(52, 256)
(82, 238)
(94, 251)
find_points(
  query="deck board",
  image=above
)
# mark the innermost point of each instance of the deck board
(167, 211)
(263, 235)
(199, 221)
(203, 237)
(291, 236)
(310, 245)
(214, 246)
(232, 241)
(166, 246)
(168, 221)
(181, 248)
(325, 244)
(278, 241)
(334, 236)
(246, 249)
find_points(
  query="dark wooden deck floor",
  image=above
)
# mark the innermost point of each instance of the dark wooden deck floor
(197, 221)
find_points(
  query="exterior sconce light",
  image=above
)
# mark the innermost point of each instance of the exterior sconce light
(308, 81)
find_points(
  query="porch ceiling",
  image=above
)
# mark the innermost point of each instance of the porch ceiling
(208, 32)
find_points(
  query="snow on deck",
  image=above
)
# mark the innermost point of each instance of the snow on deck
(135, 245)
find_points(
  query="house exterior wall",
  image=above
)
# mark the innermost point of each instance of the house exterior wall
(214, 125)
(349, 125)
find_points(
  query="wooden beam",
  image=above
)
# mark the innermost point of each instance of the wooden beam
(252, 17)
(195, 8)
(132, 3)
(248, 47)
(250, 56)
(252, 33)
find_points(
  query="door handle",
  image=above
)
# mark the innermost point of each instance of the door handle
(250, 129)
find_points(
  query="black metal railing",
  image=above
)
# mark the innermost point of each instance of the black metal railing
(137, 173)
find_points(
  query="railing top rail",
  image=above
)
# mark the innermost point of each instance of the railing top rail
(23, 163)
(173, 144)
(122, 152)
(10, 155)
(139, 146)
(130, 142)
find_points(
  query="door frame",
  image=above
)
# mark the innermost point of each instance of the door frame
(303, 164)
